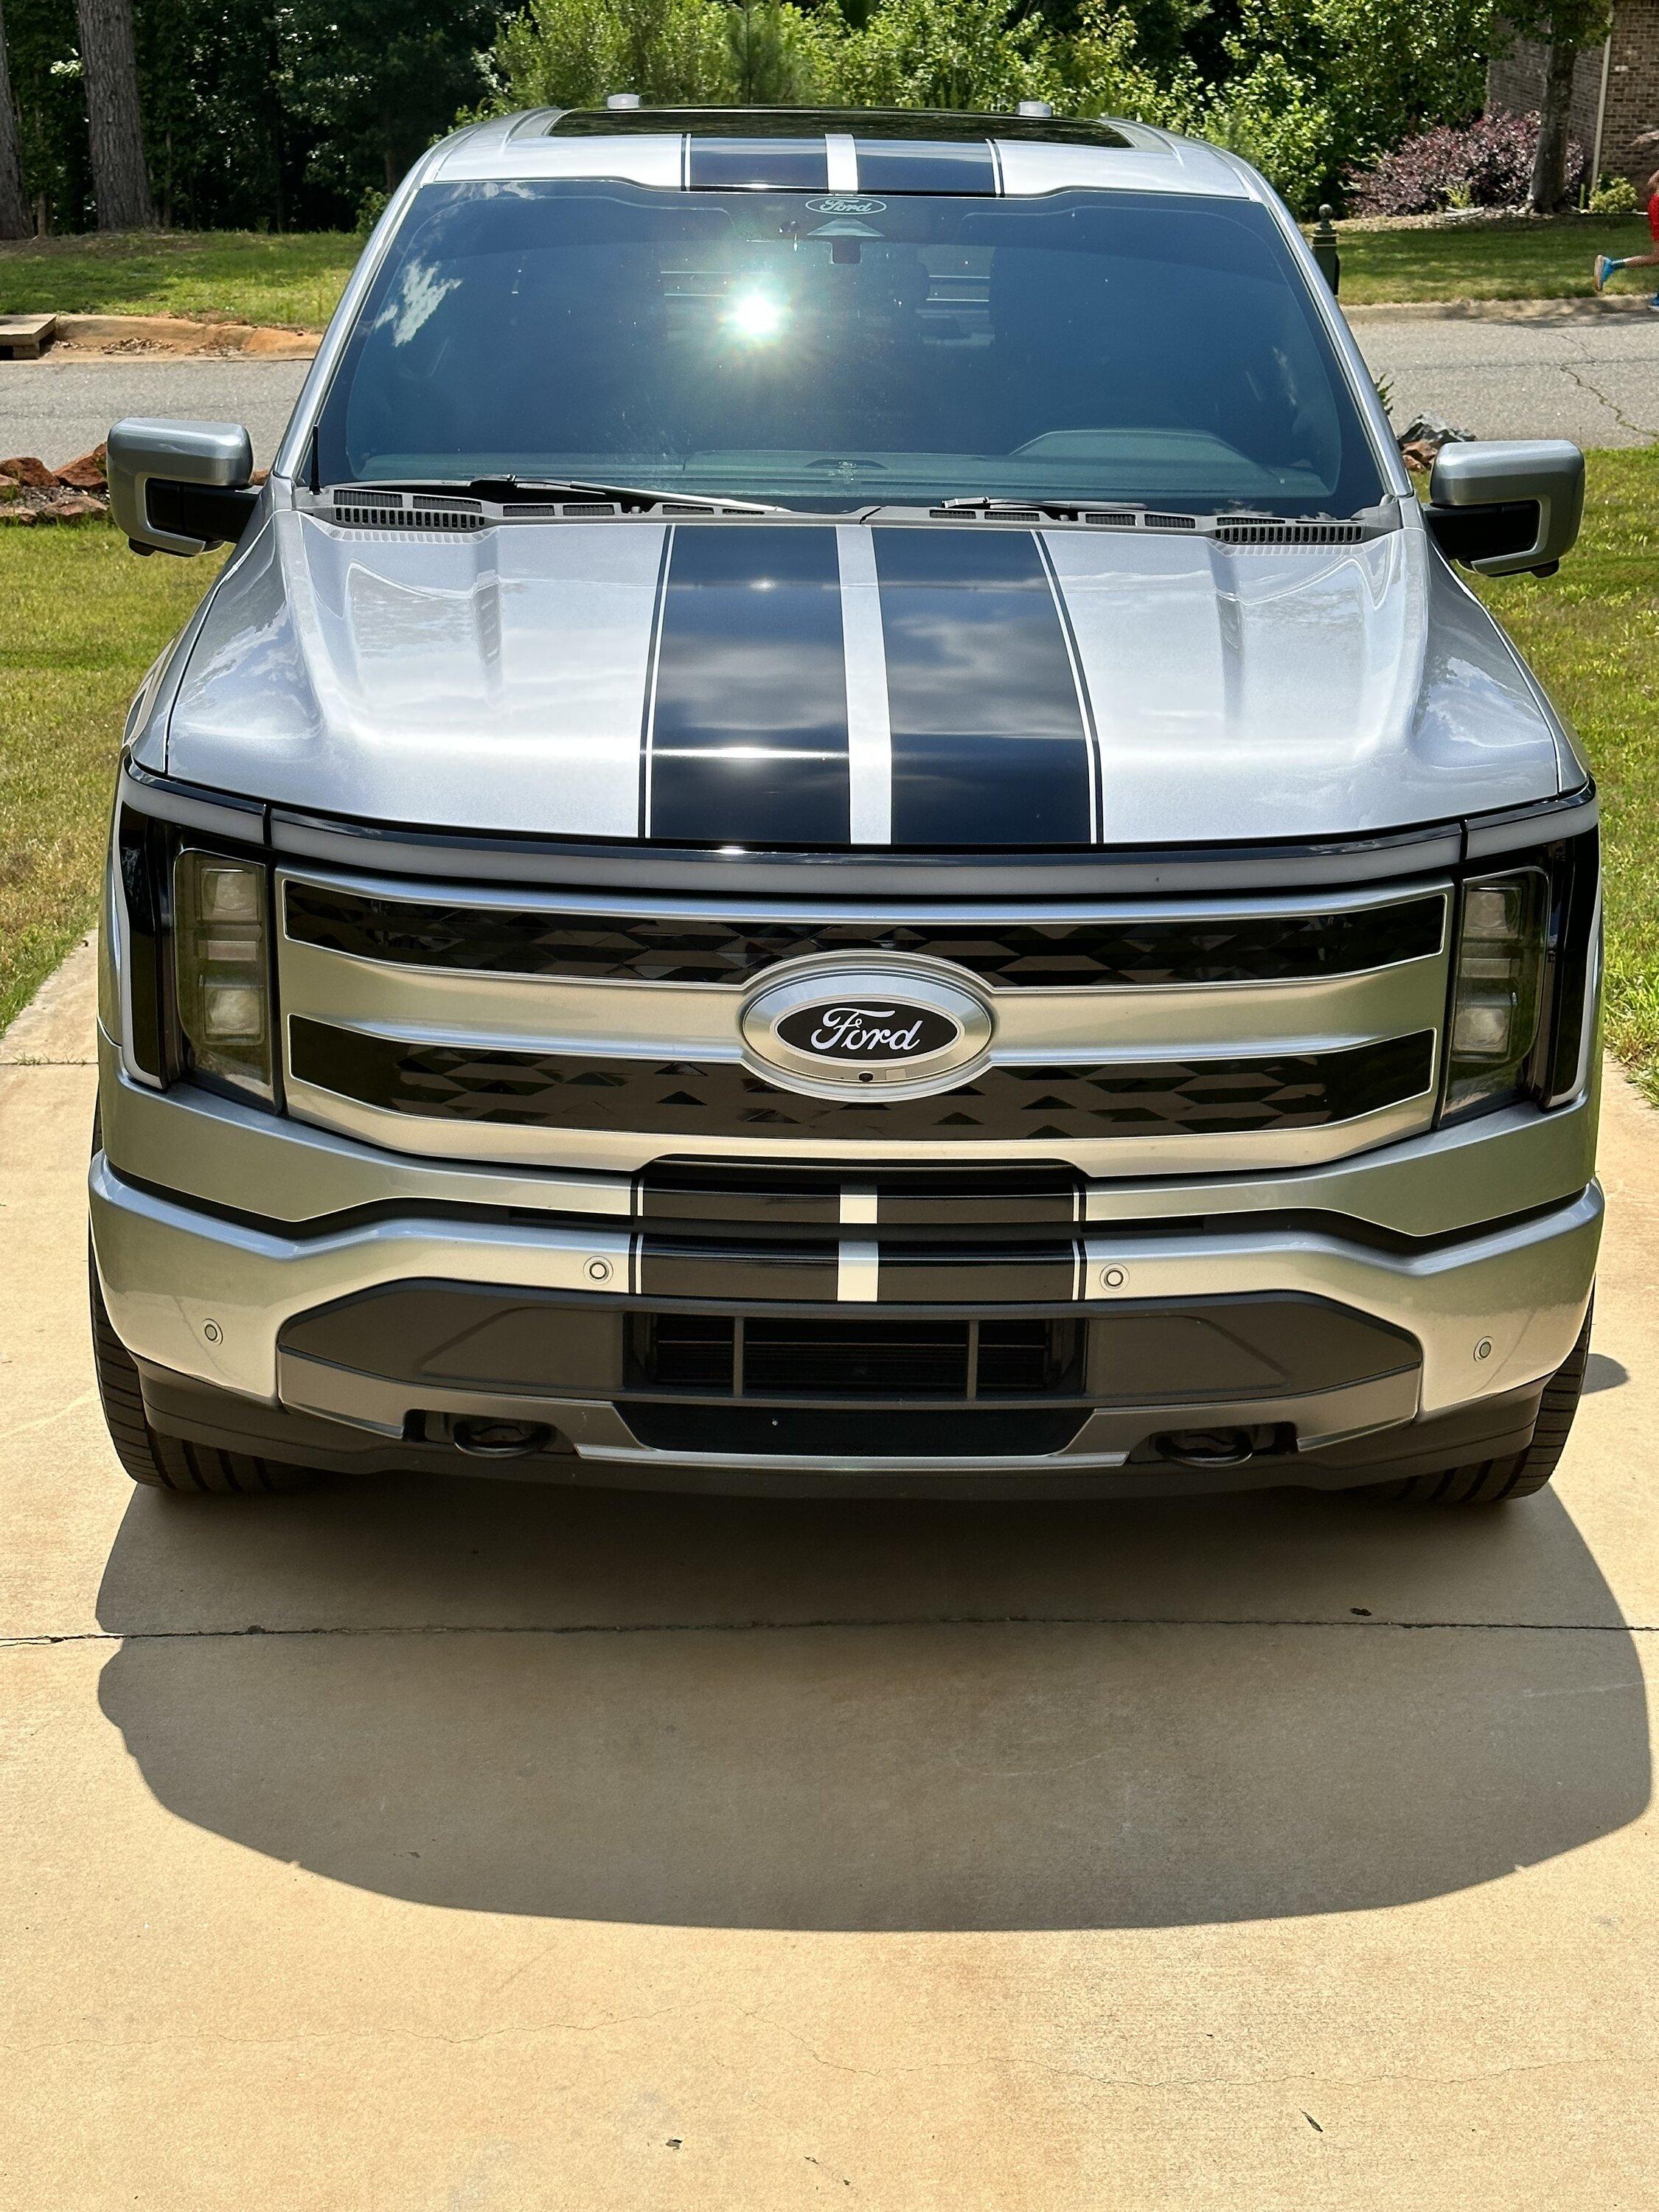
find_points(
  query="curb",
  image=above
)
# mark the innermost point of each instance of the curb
(1497, 311)
(180, 338)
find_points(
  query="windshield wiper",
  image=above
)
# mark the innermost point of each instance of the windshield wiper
(1044, 503)
(506, 489)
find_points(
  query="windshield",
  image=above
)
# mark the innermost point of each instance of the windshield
(833, 353)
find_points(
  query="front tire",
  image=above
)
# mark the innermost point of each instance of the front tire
(171, 1463)
(1496, 1481)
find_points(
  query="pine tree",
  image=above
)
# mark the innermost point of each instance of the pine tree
(120, 182)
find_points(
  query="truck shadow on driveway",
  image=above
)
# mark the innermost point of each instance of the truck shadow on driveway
(725, 1713)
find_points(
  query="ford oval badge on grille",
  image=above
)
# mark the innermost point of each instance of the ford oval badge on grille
(827, 1027)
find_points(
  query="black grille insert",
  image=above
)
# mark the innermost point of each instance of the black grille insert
(680, 1098)
(897, 1357)
(1033, 956)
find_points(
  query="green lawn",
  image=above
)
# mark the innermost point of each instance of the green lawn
(1521, 260)
(255, 277)
(229, 275)
(1592, 634)
(84, 619)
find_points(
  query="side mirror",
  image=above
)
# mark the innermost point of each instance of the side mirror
(180, 487)
(1504, 508)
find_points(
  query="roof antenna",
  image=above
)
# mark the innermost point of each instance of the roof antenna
(622, 100)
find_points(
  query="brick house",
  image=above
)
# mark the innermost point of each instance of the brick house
(1615, 90)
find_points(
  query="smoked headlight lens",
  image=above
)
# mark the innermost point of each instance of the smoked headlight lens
(222, 969)
(1497, 997)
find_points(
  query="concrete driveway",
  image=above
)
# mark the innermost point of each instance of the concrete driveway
(472, 1847)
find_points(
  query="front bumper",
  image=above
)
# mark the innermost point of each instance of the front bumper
(223, 1307)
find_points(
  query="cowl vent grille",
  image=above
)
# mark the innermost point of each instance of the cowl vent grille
(405, 510)
(354, 508)
(1269, 530)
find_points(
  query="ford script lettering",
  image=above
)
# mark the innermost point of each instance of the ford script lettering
(839, 204)
(828, 1026)
(889, 1032)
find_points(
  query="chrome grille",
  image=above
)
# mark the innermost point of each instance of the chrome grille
(1016, 955)
(557, 1028)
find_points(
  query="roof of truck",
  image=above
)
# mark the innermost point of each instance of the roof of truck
(881, 151)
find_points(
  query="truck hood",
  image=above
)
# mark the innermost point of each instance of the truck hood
(830, 684)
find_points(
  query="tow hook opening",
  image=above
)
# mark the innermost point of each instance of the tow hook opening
(483, 1436)
(1217, 1448)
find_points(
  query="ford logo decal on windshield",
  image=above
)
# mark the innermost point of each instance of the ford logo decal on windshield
(829, 1026)
(846, 204)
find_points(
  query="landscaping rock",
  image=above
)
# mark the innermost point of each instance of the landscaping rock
(87, 474)
(25, 469)
(1423, 437)
(78, 507)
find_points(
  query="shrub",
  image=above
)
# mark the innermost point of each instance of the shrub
(1487, 165)
(1276, 121)
(570, 54)
(904, 53)
(1614, 196)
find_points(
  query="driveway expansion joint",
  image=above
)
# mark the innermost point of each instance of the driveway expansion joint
(773, 1627)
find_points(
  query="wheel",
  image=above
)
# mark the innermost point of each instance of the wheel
(1495, 1482)
(168, 1462)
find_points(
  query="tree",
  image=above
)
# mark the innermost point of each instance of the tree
(1563, 27)
(120, 182)
(14, 207)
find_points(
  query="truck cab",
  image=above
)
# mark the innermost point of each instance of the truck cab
(838, 826)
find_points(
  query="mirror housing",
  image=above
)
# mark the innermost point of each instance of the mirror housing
(180, 487)
(1508, 506)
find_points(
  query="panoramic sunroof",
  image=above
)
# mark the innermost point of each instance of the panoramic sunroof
(939, 124)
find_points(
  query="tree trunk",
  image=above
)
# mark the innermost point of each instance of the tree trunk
(14, 207)
(114, 128)
(1549, 167)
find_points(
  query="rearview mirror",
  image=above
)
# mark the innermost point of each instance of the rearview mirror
(180, 487)
(1502, 507)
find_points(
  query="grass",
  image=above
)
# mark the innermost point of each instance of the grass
(83, 621)
(1592, 635)
(292, 278)
(1538, 259)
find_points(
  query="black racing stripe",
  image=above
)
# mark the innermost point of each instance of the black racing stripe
(670, 1269)
(926, 165)
(990, 744)
(748, 743)
(775, 164)
(942, 1274)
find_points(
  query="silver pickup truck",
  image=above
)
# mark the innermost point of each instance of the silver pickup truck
(838, 827)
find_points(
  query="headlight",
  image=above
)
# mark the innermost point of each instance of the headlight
(1497, 996)
(221, 972)
(1523, 985)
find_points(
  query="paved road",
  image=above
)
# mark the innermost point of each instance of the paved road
(478, 1845)
(58, 409)
(1596, 381)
